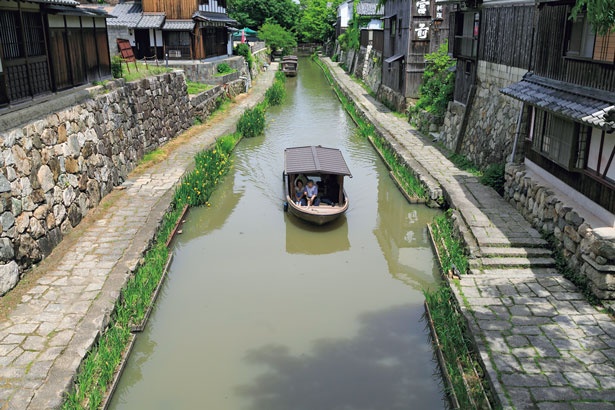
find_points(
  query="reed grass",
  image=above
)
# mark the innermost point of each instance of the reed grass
(466, 374)
(98, 368)
(450, 246)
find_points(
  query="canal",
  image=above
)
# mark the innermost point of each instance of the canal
(263, 312)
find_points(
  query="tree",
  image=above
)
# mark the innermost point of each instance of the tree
(600, 13)
(255, 13)
(277, 38)
(317, 19)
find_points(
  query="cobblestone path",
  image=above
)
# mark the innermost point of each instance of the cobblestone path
(46, 336)
(543, 345)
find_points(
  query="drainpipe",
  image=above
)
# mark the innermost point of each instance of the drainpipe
(517, 131)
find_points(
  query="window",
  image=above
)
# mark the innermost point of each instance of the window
(467, 25)
(393, 26)
(583, 42)
(561, 140)
(399, 28)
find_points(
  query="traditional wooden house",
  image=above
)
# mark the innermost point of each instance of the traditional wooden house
(181, 29)
(411, 30)
(492, 43)
(48, 46)
(569, 98)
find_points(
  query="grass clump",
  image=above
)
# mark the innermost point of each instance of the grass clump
(449, 245)
(224, 68)
(145, 71)
(461, 361)
(153, 157)
(252, 121)
(276, 93)
(197, 88)
(493, 176)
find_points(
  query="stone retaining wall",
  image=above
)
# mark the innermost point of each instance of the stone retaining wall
(492, 121)
(205, 72)
(207, 102)
(54, 169)
(588, 251)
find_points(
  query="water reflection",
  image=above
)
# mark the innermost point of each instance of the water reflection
(402, 236)
(307, 239)
(382, 367)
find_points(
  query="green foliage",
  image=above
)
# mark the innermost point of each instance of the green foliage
(224, 68)
(116, 67)
(316, 23)
(462, 365)
(276, 93)
(277, 38)
(450, 246)
(252, 122)
(438, 84)
(335, 58)
(242, 49)
(256, 13)
(600, 13)
(493, 176)
(197, 88)
(465, 164)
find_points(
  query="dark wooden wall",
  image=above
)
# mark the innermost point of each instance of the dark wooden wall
(550, 61)
(175, 9)
(506, 35)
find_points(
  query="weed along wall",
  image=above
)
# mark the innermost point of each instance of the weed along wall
(54, 169)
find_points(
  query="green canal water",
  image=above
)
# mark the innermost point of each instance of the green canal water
(263, 312)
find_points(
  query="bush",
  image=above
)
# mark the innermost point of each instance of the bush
(252, 122)
(116, 67)
(224, 68)
(335, 58)
(244, 50)
(493, 176)
(438, 84)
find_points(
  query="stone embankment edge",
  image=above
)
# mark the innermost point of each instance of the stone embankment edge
(93, 327)
(436, 189)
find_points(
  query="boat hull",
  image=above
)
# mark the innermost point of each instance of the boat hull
(318, 215)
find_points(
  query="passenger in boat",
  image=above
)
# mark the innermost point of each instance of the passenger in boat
(311, 192)
(331, 190)
(300, 195)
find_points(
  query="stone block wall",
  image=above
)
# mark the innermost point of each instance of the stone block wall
(391, 98)
(54, 169)
(588, 251)
(205, 103)
(369, 67)
(205, 72)
(492, 121)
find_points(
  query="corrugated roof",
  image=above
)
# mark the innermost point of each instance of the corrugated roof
(213, 17)
(151, 20)
(582, 104)
(312, 159)
(178, 25)
(127, 15)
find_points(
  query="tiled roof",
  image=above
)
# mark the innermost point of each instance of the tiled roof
(151, 20)
(582, 104)
(369, 8)
(60, 2)
(213, 17)
(128, 15)
(178, 25)
(311, 159)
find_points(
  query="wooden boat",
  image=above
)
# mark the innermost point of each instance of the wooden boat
(290, 65)
(327, 168)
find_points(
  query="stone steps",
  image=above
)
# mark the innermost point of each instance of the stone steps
(518, 272)
(517, 262)
(500, 251)
(511, 242)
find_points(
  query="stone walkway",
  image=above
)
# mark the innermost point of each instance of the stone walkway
(46, 336)
(543, 345)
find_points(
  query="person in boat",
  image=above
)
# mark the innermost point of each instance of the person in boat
(300, 195)
(311, 193)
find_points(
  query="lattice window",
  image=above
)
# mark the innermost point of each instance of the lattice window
(10, 35)
(583, 42)
(558, 139)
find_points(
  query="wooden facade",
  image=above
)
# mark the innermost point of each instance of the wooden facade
(45, 49)
(175, 9)
(412, 28)
(552, 36)
(578, 153)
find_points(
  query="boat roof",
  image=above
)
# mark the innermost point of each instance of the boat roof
(315, 159)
